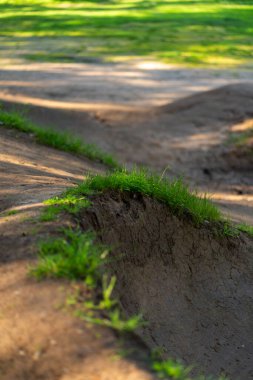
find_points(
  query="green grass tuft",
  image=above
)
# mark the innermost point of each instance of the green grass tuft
(189, 32)
(73, 256)
(173, 193)
(68, 203)
(173, 369)
(57, 140)
(245, 228)
(10, 212)
(76, 256)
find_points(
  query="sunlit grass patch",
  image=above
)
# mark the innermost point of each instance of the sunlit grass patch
(188, 32)
(173, 369)
(68, 203)
(246, 228)
(73, 256)
(77, 256)
(58, 140)
(173, 193)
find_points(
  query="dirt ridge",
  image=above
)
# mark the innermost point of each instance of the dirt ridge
(194, 287)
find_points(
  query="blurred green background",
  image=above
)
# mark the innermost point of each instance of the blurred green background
(213, 33)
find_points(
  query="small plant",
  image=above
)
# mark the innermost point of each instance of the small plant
(171, 369)
(245, 228)
(73, 256)
(58, 140)
(115, 321)
(174, 369)
(108, 303)
(229, 229)
(11, 212)
(67, 202)
(76, 256)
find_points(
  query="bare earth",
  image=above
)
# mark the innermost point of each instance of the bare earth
(138, 112)
(120, 108)
(40, 337)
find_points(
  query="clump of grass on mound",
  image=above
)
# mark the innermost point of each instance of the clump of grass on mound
(57, 140)
(245, 228)
(173, 369)
(175, 194)
(73, 256)
(77, 256)
(68, 203)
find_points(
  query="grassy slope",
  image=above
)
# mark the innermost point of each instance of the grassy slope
(57, 140)
(173, 193)
(76, 255)
(215, 32)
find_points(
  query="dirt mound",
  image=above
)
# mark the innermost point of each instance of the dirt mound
(193, 285)
(226, 103)
(40, 337)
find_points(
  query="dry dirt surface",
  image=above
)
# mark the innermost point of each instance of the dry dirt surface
(40, 337)
(156, 116)
(193, 285)
(187, 138)
(147, 113)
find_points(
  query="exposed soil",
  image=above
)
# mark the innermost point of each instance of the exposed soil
(40, 337)
(193, 285)
(187, 137)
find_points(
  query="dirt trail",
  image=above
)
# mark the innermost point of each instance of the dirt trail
(128, 85)
(40, 338)
(122, 108)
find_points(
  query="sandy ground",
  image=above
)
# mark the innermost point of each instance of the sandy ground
(114, 86)
(40, 337)
(118, 107)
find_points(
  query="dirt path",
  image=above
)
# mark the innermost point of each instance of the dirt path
(98, 87)
(40, 337)
(118, 107)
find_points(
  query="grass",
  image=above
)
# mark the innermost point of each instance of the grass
(73, 256)
(68, 203)
(77, 256)
(10, 212)
(58, 140)
(189, 32)
(246, 228)
(173, 369)
(173, 193)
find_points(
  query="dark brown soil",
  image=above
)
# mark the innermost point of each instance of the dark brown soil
(187, 137)
(40, 338)
(193, 285)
